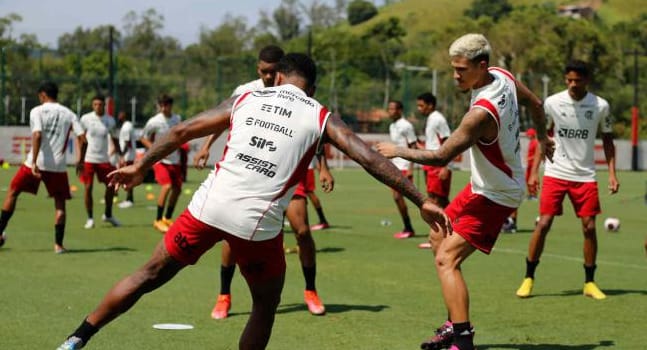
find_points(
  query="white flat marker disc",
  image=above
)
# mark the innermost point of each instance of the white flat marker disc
(172, 326)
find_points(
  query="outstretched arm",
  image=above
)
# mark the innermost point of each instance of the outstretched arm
(212, 121)
(339, 135)
(476, 124)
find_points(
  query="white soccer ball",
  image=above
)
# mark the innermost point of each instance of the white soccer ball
(612, 224)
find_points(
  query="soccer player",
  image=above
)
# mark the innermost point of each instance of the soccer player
(50, 124)
(575, 115)
(168, 172)
(510, 226)
(402, 134)
(490, 130)
(100, 129)
(296, 214)
(128, 148)
(244, 198)
(438, 179)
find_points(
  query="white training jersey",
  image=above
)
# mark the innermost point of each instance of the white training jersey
(127, 138)
(436, 129)
(253, 85)
(274, 134)
(402, 135)
(54, 121)
(496, 167)
(98, 132)
(575, 125)
(159, 125)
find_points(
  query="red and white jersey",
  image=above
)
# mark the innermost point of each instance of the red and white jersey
(436, 129)
(273, 135)
(574, 125)
(253, 85)
(496, 167)
(98, 131)
(402, 134)
(159, 125)
(127, 138)
(54, 121)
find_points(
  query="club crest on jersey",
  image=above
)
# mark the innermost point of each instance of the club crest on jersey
(264, 93)
(501, 102)
(588, 115)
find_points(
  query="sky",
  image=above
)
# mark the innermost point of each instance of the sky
(49, 19)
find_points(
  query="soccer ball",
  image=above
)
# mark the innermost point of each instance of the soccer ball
(612, 224)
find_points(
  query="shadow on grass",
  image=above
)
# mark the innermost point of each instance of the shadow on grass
(331, 250)
(601, 344)
(98, 250)
(578, 292)
(331, 308)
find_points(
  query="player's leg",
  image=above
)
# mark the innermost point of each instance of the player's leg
(552, 195)
(8, 207)
(586, 203)
(227, 269)
(87, 178)
(23, 181)
(156, 272)
(407, 231)
(451, 253)
(297, 215)
(316, 203)
(262, 263)
(163, 178)
(174, 194)
(102, 171)
(59, 224)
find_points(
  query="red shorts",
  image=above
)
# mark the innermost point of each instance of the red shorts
(168, 174)
(583, 195)
(306, 185)
(57, 184)
(101, 169)
(188, 238)
(434, 184)
(477, 219)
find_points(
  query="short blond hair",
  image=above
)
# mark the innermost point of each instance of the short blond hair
(470, 46)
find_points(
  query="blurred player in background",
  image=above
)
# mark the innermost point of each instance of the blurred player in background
(100, 129)
(575, 115)
(490, 130)
(437, 179)
(402, 134)
(50, 124)
(168, 172)
(128, 150)
(296, 214)
(510, 226)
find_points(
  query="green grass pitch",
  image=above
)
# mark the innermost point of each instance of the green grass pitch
(380, 293)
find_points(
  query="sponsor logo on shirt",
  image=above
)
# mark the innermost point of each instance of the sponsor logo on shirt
(573, 133)
(271, 126)
(258, 165)
(262, 143)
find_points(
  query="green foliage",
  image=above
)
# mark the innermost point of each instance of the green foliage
(360, 11)
(496, 9)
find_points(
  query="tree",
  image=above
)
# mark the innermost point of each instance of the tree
(495, 9)
(286, 18)
(360, 11)
(88, 40)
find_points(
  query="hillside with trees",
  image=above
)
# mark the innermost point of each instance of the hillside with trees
(366, 55)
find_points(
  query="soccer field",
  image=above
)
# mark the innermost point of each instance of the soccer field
(380, 293)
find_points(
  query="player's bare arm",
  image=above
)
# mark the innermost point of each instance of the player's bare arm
(212, 121)
(36, 138)
(340, 136)
(535, 106)
(82, 144)
(610, 155)
(476, 125)
(202, 156)
(326, 179)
